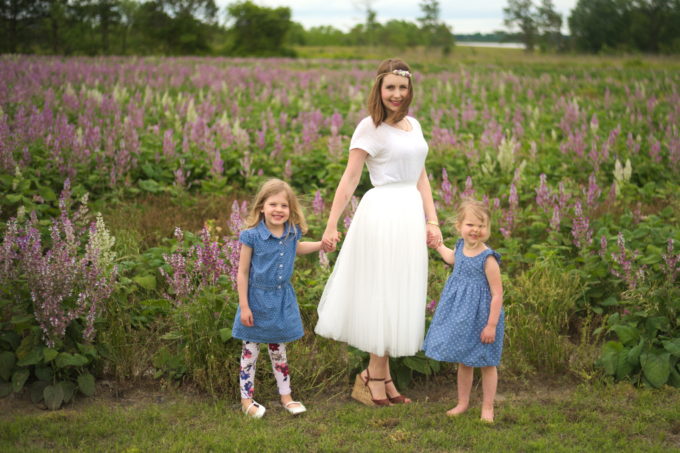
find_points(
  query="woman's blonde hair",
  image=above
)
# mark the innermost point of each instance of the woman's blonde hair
(476, 208)
(376, 108)
(270, 188)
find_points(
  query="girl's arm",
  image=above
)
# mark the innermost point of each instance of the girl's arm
(346, 187)
(447, 254)
(242, 285)
(493, 275)
(434, 234)
(306, 247)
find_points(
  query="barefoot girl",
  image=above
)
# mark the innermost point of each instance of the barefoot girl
(468, 324)
(268, 310)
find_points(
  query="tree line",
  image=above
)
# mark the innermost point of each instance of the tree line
(198, 27)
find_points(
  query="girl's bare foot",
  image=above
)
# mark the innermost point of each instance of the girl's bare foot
(459, 409)
(487, 414)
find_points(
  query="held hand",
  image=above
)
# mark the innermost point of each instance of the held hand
(330, 239)
(488, 334)
(247, 317)
(434, 236)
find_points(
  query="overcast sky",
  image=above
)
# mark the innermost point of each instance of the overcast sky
(465, 16)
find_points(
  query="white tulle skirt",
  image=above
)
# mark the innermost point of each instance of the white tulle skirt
(375, 297)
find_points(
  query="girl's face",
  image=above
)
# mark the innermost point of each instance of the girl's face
(393, 92)
(276, 210)
(473, 230)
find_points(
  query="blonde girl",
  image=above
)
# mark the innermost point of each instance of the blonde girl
(467, 327)
(268, 310)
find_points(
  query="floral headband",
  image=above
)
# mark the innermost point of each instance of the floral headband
(399, 72)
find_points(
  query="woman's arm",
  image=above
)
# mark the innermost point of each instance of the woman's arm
(346, 187)
(306, 247)
(434, 234)
(493, 275)
(242, 285)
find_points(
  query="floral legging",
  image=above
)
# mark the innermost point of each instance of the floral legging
(277, 354)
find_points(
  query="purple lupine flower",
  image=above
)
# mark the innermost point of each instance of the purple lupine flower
(593, 192)
(432, 306)
(354, 203)
(625, 261)
(447, 193)
(323, 260)
(672, 262)
(317, 204)
(217, 164)
(580, 229)
(288, 170)
(543, 195)
(603, 246)
(556, 218)
(469, 192)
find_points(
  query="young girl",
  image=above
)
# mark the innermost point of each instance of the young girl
(268, 310)
(468, 324)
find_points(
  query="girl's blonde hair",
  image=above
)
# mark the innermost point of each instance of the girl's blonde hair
(476, 208)
(270, 188)
(376, 108)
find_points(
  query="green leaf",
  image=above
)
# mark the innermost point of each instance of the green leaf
(19, 379)
(149, 185)
(674, 378)
(147, 282)
(7, 362)
(225, 334)
(86, 384)
(49, 354)
(33, 357)
(65, 359)
(626, 334)
(672, 346)
(11, 338)
(27, 345)
(69, 389)
(656, 367)
(5, 389)
(633, 355)
(88, 350)
(656, 323)
(54, 396)
(37, 389)
(44, 373)
(418, 364)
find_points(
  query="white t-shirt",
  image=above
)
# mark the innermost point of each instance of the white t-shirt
(394, 155)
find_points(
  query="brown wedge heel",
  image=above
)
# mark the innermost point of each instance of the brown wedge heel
(362, 392)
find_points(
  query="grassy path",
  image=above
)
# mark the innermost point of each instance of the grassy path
(594, 418)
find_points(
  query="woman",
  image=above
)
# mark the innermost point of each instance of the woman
(375, 297)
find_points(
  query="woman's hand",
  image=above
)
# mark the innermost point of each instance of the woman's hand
(247, 317)
(330, 239)
(434, 236)
(488, 334)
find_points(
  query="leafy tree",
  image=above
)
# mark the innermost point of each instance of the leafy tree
(600, 24)
(520, 13)
(550, 23)
(18, 21)
(258, 30)
(436, 33)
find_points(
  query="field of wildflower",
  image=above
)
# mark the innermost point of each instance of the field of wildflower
(124, 183)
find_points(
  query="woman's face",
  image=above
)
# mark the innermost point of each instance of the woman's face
(393, 92)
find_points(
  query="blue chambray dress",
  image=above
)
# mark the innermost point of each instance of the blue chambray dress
(271, 297)
(462, 314)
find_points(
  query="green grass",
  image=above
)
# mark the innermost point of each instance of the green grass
(562, 418)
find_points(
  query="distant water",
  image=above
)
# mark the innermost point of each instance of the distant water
(506, 45)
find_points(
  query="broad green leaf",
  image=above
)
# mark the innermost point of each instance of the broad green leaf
(65, 359)
(86, 384)
(68, 388)
(37, 389)
(27, 345)
(19, 378)
(225, 334)
(11, 338)
(656, 323)
(147, 282)
(626, 334)
(49, 354)
(88, 350)
(44, 373)
(672, 346)
(7, 362)
(33, 357)
(633, 355)
(656, 367)
(54, 396)
(674, 377)
(418, 364)
(623, 367)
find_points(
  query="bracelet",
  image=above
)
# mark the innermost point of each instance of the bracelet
(432, 222)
